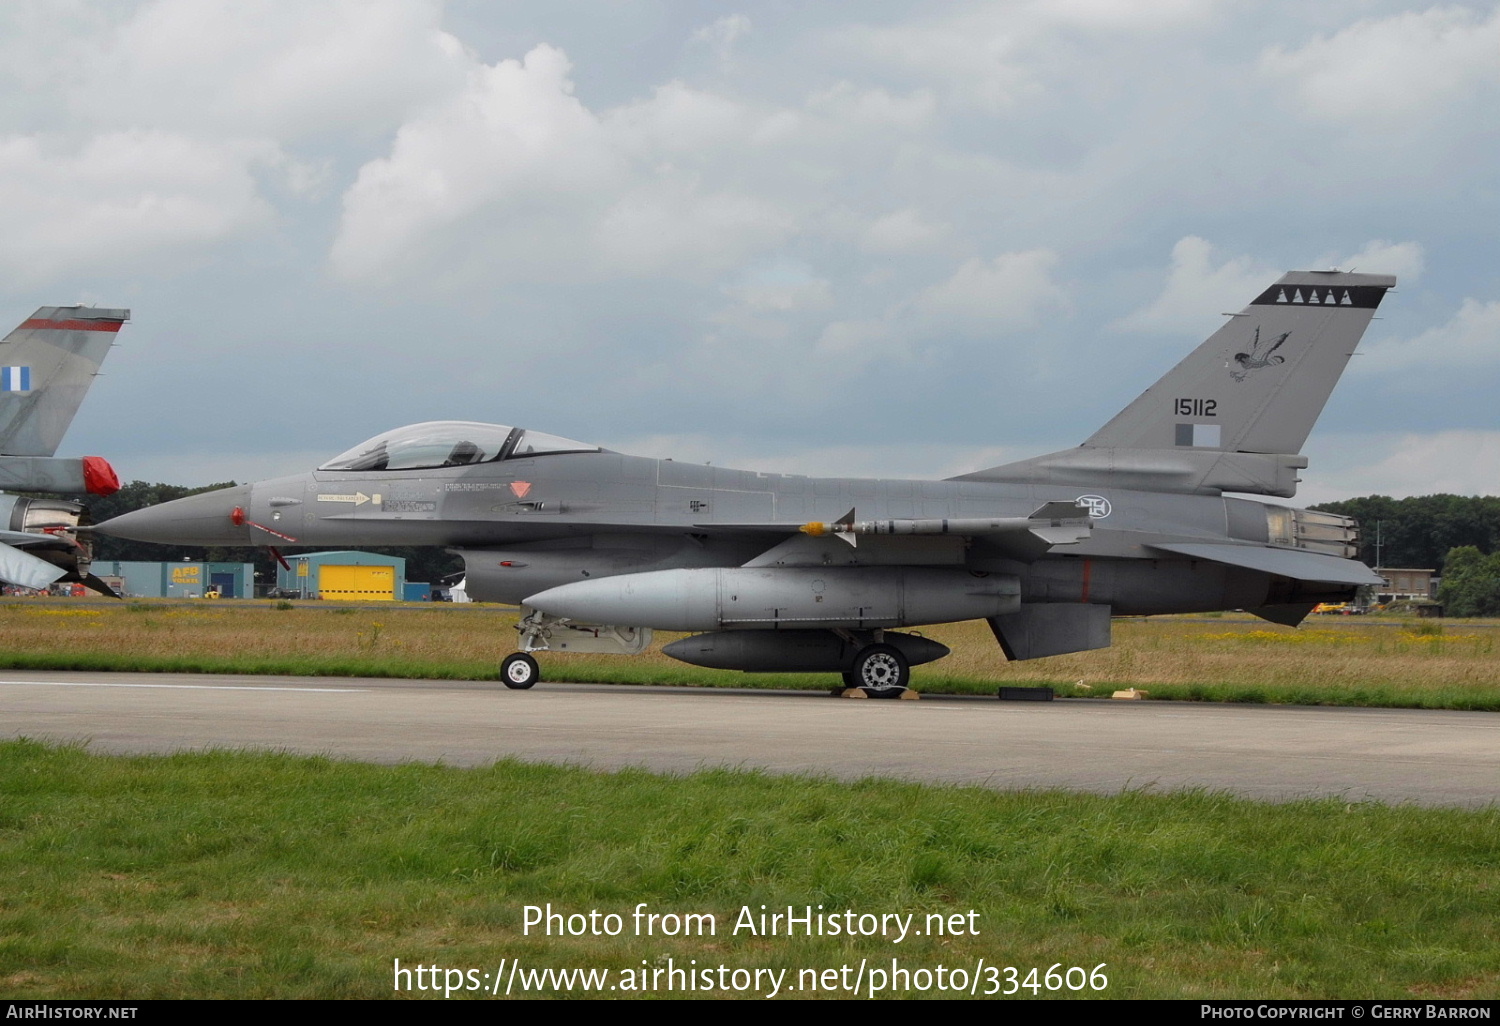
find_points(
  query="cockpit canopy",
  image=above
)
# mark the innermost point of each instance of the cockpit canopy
(451, 443)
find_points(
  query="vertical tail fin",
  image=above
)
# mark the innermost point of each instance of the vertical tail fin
(1233, 415)
(1258, 384)
(46, 367)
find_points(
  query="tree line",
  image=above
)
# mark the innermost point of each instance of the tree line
(1419, 532)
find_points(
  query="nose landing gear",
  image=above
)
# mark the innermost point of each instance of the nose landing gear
(519, 671)
(543, 633)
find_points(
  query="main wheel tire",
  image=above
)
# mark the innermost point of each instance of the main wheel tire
(519, 671)
(881, 668)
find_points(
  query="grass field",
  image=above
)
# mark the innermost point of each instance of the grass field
(262, 875)
(1338, 661)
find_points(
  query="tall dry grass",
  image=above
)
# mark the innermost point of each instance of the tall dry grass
(1368, 661)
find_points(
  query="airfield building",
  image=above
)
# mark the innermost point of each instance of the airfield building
(346, 575)
(182, 579)
(1405, 584)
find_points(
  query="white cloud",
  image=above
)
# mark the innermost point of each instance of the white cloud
(1470, 338)
(168, 125)
(784, 293)
(1198, 290)
(987, 297)
(853, 344)
(670, 227)
(847, 104)
(977, 59)
(516, 175)
(1134, 16)
(1408, 64)
(1403, 259)
(983, 299)
(722, 35)
(903, 231)
(264, 67)
(515, 140)
(120, 197)
(1461, 462)
(997, 57)
(678, 121)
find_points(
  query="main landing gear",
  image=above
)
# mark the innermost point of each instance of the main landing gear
(879, 668)
(878, 671)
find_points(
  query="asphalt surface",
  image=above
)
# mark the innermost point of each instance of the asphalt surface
(1274, 753)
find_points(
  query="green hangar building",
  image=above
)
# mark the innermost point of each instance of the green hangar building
(183, 579)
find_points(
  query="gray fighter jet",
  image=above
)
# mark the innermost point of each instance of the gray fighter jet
(46, 368)
(776, 572)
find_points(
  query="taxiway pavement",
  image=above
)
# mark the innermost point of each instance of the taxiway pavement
(1274, 753)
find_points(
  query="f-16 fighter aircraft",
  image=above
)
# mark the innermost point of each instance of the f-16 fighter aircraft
(46, 367)
(788, 573)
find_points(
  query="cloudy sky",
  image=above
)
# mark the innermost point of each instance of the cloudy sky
(892, 238)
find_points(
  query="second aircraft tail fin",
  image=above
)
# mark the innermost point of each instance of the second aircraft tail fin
(46, 367)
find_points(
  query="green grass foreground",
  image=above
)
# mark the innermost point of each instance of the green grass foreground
(262, 875)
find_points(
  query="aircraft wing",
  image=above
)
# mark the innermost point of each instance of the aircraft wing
(1300, 566)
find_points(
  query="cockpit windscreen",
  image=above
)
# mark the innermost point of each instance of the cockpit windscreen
(450, 443)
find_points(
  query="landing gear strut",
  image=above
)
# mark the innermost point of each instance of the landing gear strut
(543, 633)
(519, 671)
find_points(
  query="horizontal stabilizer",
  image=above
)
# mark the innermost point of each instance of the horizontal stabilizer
(1298, 565)
(17, 567)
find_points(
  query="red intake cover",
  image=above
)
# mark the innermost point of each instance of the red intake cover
(99, 477)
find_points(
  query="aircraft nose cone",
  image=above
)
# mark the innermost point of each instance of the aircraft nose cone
(206, 519)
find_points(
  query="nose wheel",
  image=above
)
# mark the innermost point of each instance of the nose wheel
(519, 671)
